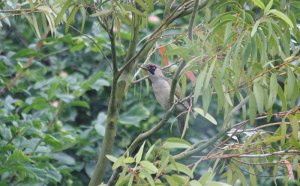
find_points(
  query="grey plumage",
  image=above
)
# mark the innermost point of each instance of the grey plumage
(161, 88)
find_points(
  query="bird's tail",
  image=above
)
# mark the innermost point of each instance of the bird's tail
(181, 122)
(181, 113)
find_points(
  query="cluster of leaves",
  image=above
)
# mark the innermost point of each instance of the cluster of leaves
(54, 95)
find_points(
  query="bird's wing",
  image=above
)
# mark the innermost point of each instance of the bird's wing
(178, 92)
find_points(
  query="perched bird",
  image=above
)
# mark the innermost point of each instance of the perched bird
(161, 88)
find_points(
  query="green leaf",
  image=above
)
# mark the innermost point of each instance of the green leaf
(128, 160)
(149, 166)
(273, 139)
(27, 52)
(252, 108)
(206, 115)
(142, 4)
(273, 90)
(214, 183)
(295, 126)
(259, 3)
(195, 183)
(209, 73)
(118, 163)
(64, 158)
(259, 97)
(111, 158)
(206, 177)
(134, 115)
(282, 98)
(206, 98)
(83, 15)
(268, 7)
(282, 16)
(173, 143)
(102, 13)
(63, 11)
(79, 103)
(182, 168)
(199, 83)
(291, 82)
(133, 10)
(51, 140)
(139, 155)
(71, 18)
(186, 124)
(150, 5)
(254, 29)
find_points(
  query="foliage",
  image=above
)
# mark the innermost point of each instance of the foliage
(69, 76)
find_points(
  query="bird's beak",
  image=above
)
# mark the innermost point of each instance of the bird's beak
(143, 67)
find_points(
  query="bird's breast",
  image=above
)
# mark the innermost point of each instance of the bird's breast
(161, 90)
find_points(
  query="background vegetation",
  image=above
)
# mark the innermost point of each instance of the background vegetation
(75, 111)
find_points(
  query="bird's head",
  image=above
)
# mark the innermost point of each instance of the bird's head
(153, 70)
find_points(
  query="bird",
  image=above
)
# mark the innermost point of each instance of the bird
(161, 86)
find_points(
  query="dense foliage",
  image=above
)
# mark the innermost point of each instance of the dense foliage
(69, 74)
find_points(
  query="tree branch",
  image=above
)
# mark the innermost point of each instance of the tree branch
(174, 82)
(192, 20)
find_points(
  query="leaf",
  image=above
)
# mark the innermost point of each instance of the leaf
(111, 158)
(64, 158)
(83, 15)
(206, 115)
(282, 98)
(252, 108)
(148, 165)
(79, 103)
(282, 16)
(134, 115)
(273, 139)
(63, 11)
(142, 4)
(283, 129)
(186, 124)
(191, 77)
(128, 160)
(291, 82)
(182, 168)
(259, 3)
(254, 29)
(139, 155)
(259, 97)
(102, 13)
(133, 10)
(209, 73)
(195, 183)
(163, 55)
(71, 18)
(199, 84)
(206, 98)
(27, 52)
(173, 143)
(295, 126)
(206, 177)
(273, 90)
(51, 140)
(214, 183)
(146, 174)
(118, 163)
(65, 97)
(268, 7)
(290, 169)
